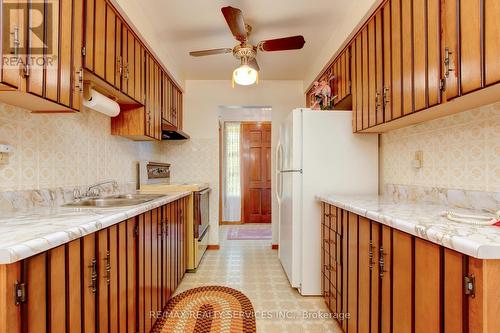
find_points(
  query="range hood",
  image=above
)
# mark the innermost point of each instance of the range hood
(170, 132)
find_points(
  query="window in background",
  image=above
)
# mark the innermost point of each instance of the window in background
(231, 204)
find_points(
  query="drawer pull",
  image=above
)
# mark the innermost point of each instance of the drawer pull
(93, 275)
(108, 267)
(381, 262)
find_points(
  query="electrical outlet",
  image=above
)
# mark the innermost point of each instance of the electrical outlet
(418, 161)
(4, 158)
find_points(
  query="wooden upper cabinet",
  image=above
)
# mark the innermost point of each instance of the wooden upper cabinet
(53, 62)
(386, 62)
(491, 41)
(12, 31)
(470, 45)
(450, 49)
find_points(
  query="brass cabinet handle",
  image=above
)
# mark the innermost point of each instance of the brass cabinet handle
(385, 98)
(93, 275)
(79, 81)
(108, 267)
(447, 62)
(120, 65)
(381, 262)
(377, 100)
(370, 255)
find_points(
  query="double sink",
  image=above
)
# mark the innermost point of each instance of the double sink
(121, 200)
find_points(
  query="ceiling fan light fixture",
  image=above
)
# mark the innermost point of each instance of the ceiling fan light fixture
(245, 75)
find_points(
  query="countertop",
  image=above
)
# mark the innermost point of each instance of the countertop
(26, 233)
(424, 220)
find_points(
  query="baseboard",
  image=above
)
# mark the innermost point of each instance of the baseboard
(274, 246)
(213, 247)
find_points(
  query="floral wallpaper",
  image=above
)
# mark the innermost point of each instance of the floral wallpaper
(461, 151)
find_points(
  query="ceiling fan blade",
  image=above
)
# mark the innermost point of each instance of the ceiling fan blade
(210, 52)
(253, 63)
(282, 44)
(234, 19)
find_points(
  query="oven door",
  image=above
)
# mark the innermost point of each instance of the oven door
(201, 212)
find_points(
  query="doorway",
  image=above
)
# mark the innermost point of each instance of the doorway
(245, 165)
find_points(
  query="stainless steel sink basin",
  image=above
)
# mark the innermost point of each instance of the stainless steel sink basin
(122, 200)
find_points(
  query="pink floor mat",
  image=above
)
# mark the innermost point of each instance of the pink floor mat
(249, 234)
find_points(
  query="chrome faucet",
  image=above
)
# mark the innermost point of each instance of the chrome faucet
(93, 190)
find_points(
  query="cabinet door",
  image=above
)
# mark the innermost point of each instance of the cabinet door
(13, 30)
(396, 59)
(375, 277)
(115, 321)
(147, 272)
(470, 45)
(379, 68)
(130, 67)
(141, 266)
(74, 283)
(385, 256)
(427, 287)
(450, 49)
(124, 54)
(118, 60)
(419, 55)
(35, 309)
(148, 91)
(77, 70)
(103, 282)
(402, 297)
(407, 56)
(352, 301)
(433, 52)
(112, 49)
(372, 79)
(35, 72)
(132, 274)
(139, 74)
(121, 258)
(387, 62)
(491, 41)
(88, 59)
(89, 283)
(100, 38)
(364, 276)
(365, 78)
(155, 268)
(453, 296)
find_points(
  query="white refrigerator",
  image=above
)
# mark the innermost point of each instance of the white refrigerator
(317, 153)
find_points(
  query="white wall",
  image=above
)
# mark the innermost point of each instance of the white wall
(356, 11)
(202, 105)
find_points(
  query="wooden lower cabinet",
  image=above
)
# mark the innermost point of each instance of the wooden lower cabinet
(115, 280)
(395, 282)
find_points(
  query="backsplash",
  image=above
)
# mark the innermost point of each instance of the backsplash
(461, 151)
(63, 150)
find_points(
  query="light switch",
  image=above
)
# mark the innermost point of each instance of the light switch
(418, 161)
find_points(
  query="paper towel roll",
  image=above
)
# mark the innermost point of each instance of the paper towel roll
(101, 103)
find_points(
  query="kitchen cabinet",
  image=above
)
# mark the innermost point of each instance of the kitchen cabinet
(411, 57)
(107, 281)
(338, 75)
(110, 51)
(396, 282)
(43, 73)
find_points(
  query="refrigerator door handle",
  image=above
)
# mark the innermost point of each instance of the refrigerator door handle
(290, 171)
(279, 177)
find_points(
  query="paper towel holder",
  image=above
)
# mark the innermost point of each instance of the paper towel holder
(87, 88)
(111, 107)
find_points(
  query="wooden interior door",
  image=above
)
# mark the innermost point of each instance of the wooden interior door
(256, 161)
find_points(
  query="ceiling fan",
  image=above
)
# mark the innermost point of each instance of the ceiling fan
(247, 72)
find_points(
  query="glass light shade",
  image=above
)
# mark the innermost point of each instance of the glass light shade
(245, 75)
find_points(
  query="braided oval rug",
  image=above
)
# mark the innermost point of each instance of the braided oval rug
(210, 309)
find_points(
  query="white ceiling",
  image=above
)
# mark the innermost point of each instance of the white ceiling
(184, 26)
